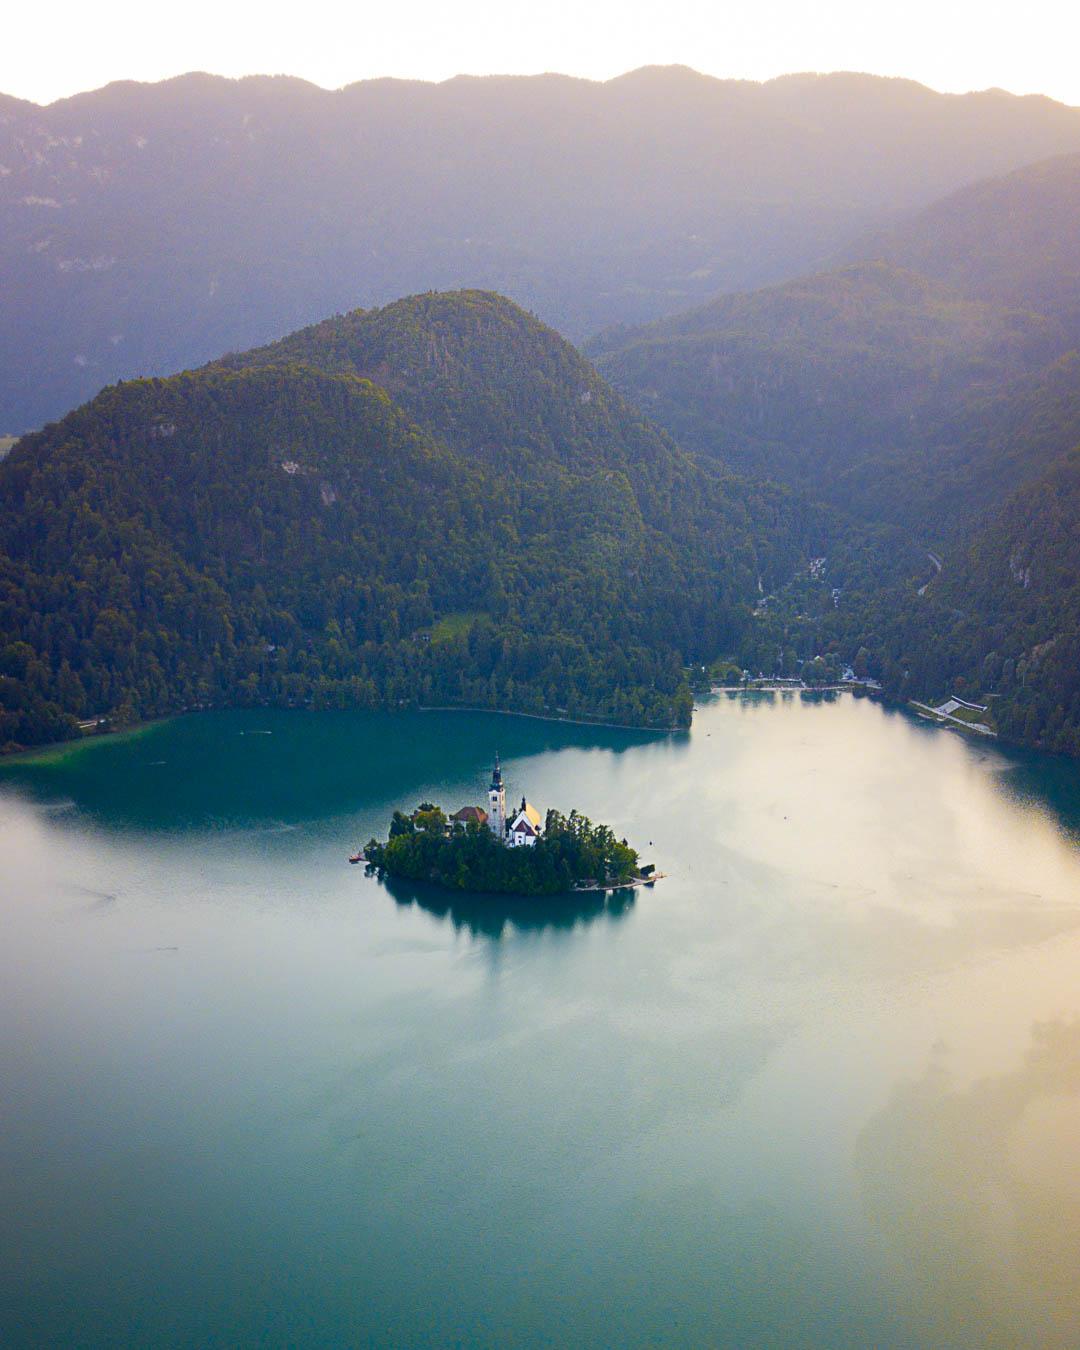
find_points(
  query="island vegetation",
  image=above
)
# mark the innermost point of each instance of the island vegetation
(571, 854)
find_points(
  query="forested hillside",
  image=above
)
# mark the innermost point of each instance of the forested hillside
(934, 388)
(810, 381)
(1000, 624)
(147, 228)
(1012, 240)
(492, 527)
(976, 451)
(1019, 581)
(918, 386)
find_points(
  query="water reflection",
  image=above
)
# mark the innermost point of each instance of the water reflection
(976, 1189)
(1050, 781)
(247, 769)
(491, 916)
(728, 1106)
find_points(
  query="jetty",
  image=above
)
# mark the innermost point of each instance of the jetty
(604, 887)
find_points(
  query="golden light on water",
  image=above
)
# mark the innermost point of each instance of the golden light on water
(829, 1068)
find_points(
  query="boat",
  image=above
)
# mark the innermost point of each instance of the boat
(358, 858)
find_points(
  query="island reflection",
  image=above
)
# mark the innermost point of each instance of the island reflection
(490, 916)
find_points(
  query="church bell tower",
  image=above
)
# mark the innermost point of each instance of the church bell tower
(497, 803)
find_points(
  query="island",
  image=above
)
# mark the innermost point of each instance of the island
(510, 853)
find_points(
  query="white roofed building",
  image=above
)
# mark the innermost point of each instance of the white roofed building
(517, 829)
(525, 827)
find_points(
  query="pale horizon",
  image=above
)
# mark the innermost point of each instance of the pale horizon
(961, 48)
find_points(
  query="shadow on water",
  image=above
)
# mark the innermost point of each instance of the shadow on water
(490, 916)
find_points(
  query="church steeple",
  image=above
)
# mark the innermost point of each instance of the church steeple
(497, 803)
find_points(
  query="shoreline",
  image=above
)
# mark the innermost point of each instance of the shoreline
(52, 750)
(76, 744)
(80, 744)
(847, 687)
(383, 875)
(929, 714)
(552, 717)
(626, 886)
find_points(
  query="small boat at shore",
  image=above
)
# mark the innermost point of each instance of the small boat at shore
(358, 858)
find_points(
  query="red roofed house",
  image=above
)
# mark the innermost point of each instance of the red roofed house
(467, 814)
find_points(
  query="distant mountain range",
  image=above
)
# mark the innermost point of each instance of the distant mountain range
(148, 228)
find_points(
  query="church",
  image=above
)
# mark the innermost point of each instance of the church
(522, 828)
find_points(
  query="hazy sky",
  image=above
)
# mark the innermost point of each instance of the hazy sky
(1027, 46)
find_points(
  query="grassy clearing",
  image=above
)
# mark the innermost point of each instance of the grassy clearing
(454, 625)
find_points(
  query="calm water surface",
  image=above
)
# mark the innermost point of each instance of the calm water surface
(820, 1087)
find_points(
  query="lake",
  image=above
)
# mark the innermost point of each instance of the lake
(819, 1087)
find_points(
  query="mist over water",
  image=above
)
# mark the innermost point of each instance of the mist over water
(819, 1086)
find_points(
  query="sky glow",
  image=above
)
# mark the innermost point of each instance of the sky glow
(51, 50)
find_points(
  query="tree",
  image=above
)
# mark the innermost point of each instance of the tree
(431, 820)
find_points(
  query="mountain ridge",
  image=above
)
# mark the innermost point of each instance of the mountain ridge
(148, 228)
(651, 71)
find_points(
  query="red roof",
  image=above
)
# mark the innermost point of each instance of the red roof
(522, 826)
(468, 813)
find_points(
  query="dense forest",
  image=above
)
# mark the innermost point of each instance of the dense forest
(864, 386)
(936, 412)
(264, 531)
(570, 851)
(146, 228)
(1002, 621)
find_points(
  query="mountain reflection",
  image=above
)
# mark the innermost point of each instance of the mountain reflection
(490, 916)
(973, 1189)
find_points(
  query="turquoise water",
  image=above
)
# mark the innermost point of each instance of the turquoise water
(819, 1087)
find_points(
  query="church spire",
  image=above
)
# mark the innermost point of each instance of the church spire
(497, 802)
